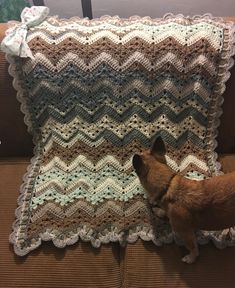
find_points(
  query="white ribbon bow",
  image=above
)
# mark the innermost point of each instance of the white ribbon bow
(14, 42)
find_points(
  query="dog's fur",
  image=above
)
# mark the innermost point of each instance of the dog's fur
(190, 205)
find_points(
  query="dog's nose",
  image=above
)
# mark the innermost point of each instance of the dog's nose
(136, 158)
(137, 162)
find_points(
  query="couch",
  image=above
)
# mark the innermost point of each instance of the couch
(140, 264)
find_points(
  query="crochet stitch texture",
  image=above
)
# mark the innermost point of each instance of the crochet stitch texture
(99, 91)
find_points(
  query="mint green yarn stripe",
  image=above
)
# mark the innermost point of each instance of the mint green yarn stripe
(111, 193)
(94, 177)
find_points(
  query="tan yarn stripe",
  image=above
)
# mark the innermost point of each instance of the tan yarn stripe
(97, 209)
(136, 44)
(136, 212)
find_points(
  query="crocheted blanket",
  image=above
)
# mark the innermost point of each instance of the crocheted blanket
(95, 93)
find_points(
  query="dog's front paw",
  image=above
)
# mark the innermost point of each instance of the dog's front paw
(189, 258)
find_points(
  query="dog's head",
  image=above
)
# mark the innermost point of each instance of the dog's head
(151, 168)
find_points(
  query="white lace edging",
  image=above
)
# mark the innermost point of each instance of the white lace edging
(221, 239)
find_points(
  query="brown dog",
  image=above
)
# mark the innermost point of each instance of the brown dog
(190, 205)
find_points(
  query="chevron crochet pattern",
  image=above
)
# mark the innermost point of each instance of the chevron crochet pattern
(97, 92)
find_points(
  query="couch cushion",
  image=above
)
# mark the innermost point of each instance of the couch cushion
(149, 266)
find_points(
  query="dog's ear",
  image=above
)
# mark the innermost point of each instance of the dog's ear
(138, 164)
(158, 150)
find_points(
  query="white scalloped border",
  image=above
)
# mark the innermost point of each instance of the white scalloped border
(116, 19)
(221, 239)
(212, 132)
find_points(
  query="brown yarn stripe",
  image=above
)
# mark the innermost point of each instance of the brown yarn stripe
(38, 44)
(141, 214)
(150, 52)
(103, 205)
(68, 155)
(187, 148)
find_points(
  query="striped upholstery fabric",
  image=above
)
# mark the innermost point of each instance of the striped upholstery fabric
(99, 91)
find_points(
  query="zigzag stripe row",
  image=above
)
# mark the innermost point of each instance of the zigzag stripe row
(126, 25)
(84, 162)
(133, 134)
(85, 175)
(105, 72)
(90, 210)
(136, 86)
(129, 111)
(94, 130)
(143, 140)
(185, 163)
(136, 57)
(94, 106)
(103, 44)
(70, 152)
(123, 27)
(69, 183)
(82, 171)
(81, 178)
(174, 143)
(70, 186)
(67, 145)
(109, 189)
(90, 100)
(125, 38)
(120, 115)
